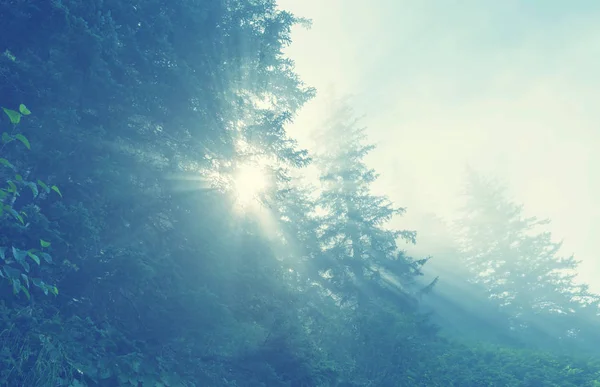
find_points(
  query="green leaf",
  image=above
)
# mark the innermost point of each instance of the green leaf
(47, 257)
(12, 187)
(6, 138)
(6, 163)
(44, 186)
(43, 243)
(54, 290)
(18, 254)
(15, 117)
(18, 177)
(3, 252)
(11, 272)
(33, 188)
(25, 265)
(24, 140)
(15, 214)
(16, 283)
(26, 279)
(24, 289)
(35, 258)
(23, 109)
(55, 189)
(38, 282)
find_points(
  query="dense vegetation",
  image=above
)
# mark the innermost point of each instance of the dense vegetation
(126, 260)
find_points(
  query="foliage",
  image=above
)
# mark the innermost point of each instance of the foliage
(16, 268)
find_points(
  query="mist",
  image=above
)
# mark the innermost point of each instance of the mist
(508, 88)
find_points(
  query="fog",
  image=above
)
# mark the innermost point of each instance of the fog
(510, 88)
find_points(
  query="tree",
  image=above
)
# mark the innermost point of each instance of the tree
(459, 306)
(368, 275)
(520, 265)
(130, 99)
(360, 250)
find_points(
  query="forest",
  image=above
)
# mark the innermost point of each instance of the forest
(131, 254)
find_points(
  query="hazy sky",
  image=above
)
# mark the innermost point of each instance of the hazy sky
(510, 87)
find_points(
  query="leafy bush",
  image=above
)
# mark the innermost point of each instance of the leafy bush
(16, 261)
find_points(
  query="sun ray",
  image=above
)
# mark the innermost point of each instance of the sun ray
(249, 181)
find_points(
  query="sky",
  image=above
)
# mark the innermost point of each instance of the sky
(511, 88)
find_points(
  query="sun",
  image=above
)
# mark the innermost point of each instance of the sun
(249, 181)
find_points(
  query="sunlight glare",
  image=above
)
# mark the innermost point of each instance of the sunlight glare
(249, 182)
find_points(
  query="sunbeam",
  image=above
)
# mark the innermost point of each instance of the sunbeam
(249, 181)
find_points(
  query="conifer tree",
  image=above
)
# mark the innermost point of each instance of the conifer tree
(358, 250)
(519, 263)
(370, 277)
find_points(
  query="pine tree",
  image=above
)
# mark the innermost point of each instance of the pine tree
(519, 263)
(362, 268)
(358, 250)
